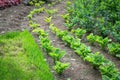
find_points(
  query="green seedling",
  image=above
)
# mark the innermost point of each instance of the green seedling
(51, 12)
(61, 67)
(34, 25)
(114, 49)
(48, 19)
(57, 54)
(91, 38)
(40, 32)
(79, 32)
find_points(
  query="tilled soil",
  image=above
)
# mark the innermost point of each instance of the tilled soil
(11, 18)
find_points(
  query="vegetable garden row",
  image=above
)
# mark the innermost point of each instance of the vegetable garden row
(81, 19)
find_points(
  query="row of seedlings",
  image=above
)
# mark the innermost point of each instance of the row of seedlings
(113, 48)
(105, 66)
(55, 53)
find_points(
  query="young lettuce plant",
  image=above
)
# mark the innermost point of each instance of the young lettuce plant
(54, 29)
(34, 25)
(48, 19)
(69, 25)
(40, 32)
(95, 59)
(30, 16)
(114, 49)
(61, 67)
(75, 44)
(68, 39)
(83, 51)
(79, 32)
(66, 17)
(102, 42)
(57, 54)
(46, 44)
(61, 34)
(91, 38)
(109, 71)
(51, 12)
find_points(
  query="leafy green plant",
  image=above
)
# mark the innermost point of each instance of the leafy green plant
(48, 19)
(79, 32)
(61, 34)
(83, 51)
(69, 25)
(46, 44)
(40, 32)
(103, 42)
(114, 49)
(53, 28)
(96, 59)
(75, 44)
(68, 3)
(34, 25)
(66, 17)
(109, 71)
(91, 38)
(30, 16)
(61, 67)
(36, 3)
(51, 12)
(57, 54)
(68, 39)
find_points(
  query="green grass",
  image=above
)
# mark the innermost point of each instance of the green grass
(21, 58)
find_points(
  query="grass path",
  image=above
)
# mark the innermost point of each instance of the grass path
(21, 58)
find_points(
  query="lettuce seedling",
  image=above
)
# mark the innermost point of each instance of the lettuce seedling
(53, 28)
(79, 32)
(61, 67)
(103, 42)
(48, 19)
(46, 44)
(51, 12)
(40, 32)
(66, 17)
(34, 25)
(109, 70)
(95, 59)
(57, 54)
(114, 49)
(30, 16)
(68, 39)
(75, 44)
(83, 50)
(60, 34)
(91, 38)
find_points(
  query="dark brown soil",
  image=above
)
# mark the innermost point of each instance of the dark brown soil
(11, 18)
